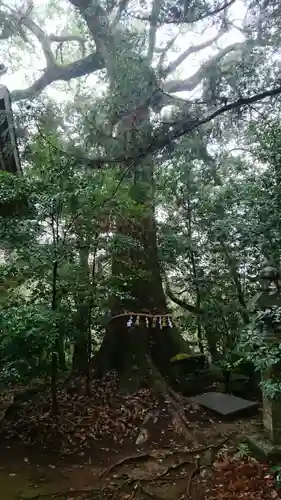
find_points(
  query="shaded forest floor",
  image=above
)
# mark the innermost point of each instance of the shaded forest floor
(109, 446)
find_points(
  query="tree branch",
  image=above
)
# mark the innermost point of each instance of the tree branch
(98, 23)
(192, 82)
(188, 126)
(39, 33)
(213, 12)
(121, 8)
(79, 68)
(191, 50)
(176, 18)
(66, 38)
(69, 38)
(10, 27)
(153, 29)
(182, 303)
(164, 51)
(164, 138)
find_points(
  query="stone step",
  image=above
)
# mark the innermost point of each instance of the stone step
(225, 405)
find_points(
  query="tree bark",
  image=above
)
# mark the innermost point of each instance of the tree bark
(80, 353)
(140, 355)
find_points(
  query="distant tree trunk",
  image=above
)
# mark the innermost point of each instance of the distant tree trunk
(195, 276)
(90, 309)
(230, 260)
(61, 354)
(232, 265)
(81, 344)
(54, 373)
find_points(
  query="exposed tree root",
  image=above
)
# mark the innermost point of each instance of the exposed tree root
(125, 483)
(138, 456)
(179, 397)
(151, 454)
(149, 494)
(172, 468)
(202, 449)
(193, 473)
(90, 492)
(179, 416)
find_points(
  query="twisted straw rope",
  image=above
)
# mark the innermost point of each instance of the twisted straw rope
(140, 314)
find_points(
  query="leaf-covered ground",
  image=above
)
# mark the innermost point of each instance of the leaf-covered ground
(86, 421)
(111, 446)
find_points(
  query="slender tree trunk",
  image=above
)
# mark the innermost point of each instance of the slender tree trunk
(195, 275)
(81, 345)
(231, 262)
(232, 265)
(91, 305)
(54, 375)
(55, 218)
(61, 354)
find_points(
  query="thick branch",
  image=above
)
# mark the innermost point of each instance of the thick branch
(165, 50)
(182, 303)
(69, 38)
(153, 29)
(43, 39)
(39, 33)
(121, 8)
(164, 138)
(98, 23)
(10, 28)
(66, 38)
(189, 17)
(191, 50)
(192, 82)
(76, 69)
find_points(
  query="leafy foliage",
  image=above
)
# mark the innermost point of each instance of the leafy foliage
(90, 246)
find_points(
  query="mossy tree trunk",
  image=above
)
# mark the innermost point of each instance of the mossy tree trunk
(141, 355)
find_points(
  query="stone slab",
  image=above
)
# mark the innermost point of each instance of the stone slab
(225, 404)
(263, 449)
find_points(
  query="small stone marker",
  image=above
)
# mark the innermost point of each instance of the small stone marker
(225, 404)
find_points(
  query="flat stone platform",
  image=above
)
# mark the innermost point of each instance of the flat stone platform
(225, 405)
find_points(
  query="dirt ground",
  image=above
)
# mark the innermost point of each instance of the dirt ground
(132, 447)
(164, 467)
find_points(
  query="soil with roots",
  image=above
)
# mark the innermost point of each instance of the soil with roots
(112, 446)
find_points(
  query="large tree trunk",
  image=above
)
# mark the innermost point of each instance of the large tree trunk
(127, 351)
(141, 355)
